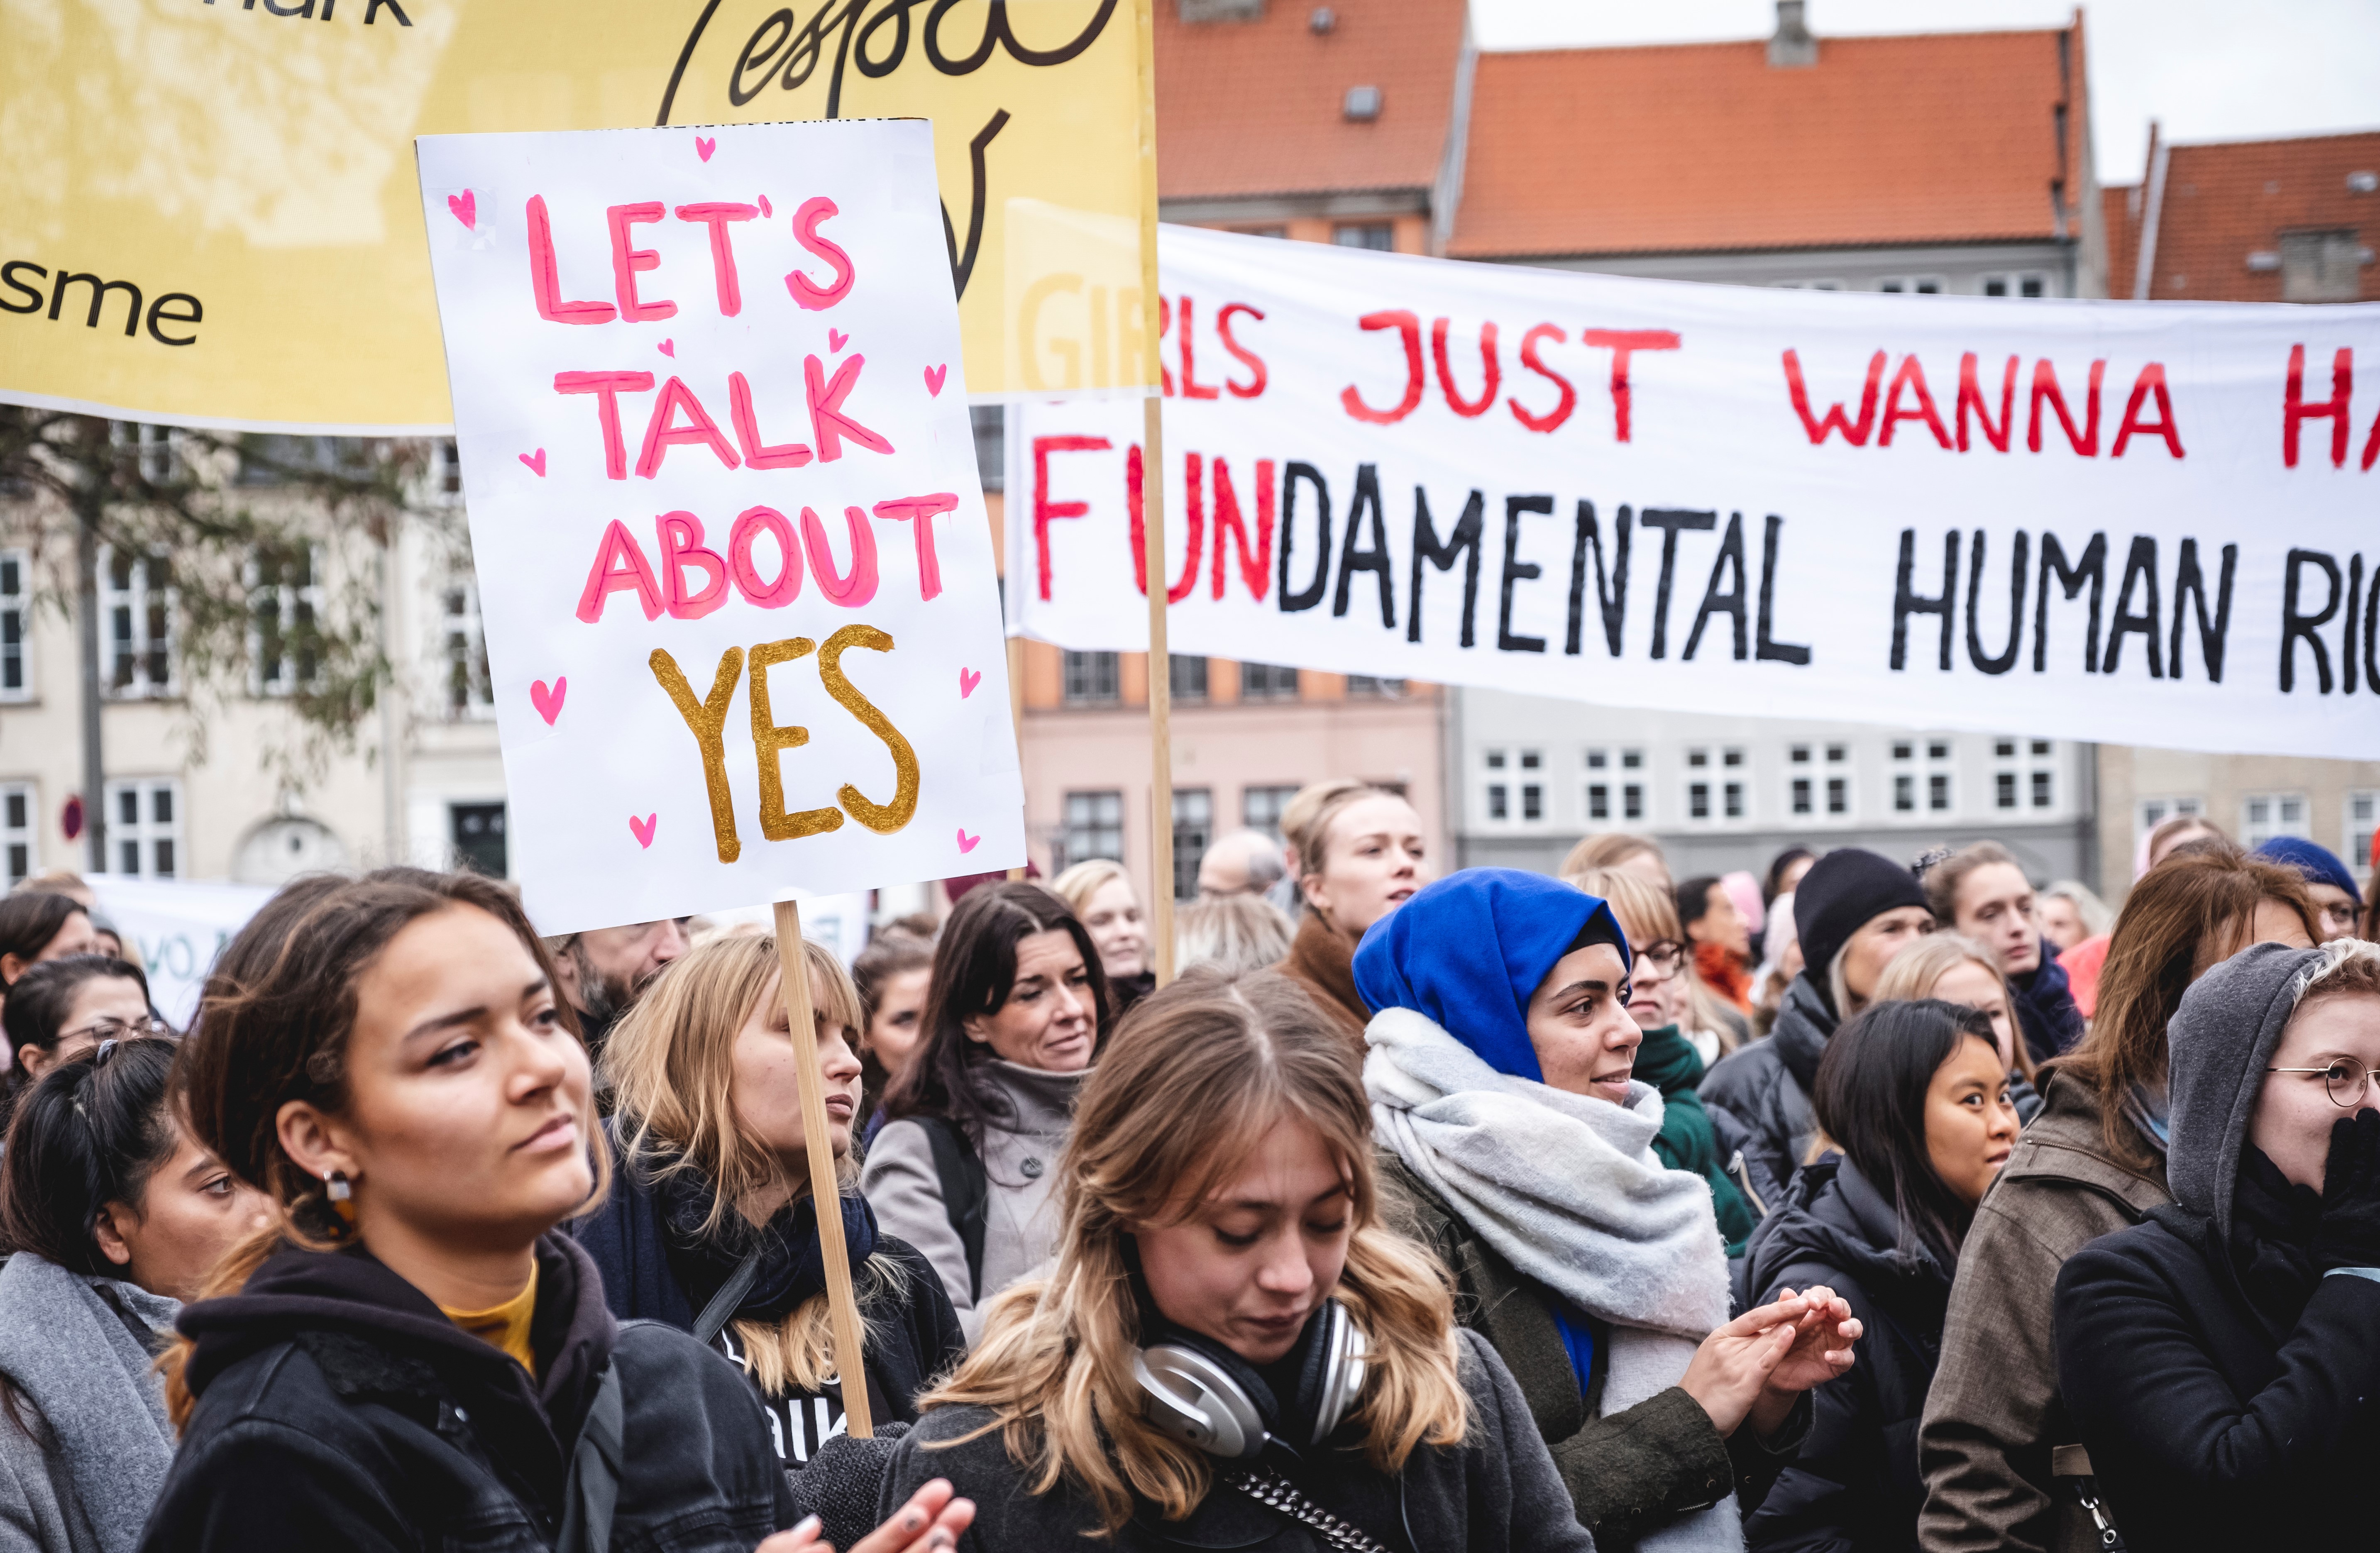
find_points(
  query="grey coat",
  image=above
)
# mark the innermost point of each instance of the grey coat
(79, 1351)
(1767, 1085)
(1497, 1492)
(1021, 1163)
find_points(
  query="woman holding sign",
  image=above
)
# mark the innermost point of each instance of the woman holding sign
(711, 1175)
(1232, 1351)
(408, 1354)
(1015, 1014)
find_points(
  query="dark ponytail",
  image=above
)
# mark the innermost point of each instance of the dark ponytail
(90, 1133)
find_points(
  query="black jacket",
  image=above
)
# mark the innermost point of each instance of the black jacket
(1855, 1485)
(1495, 1493)
(1628, 1474)
(915, 1333)
(1767, 1085)
(2211, 1424)
(337, 1408)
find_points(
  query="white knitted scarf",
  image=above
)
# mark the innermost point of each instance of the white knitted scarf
(1567, 1190)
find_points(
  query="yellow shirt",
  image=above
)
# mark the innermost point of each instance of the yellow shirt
(505, 1326)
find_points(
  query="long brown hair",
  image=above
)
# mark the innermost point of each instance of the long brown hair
(1198, 1075)
(273, 1027)
(975, 969)
(2186, 916)
(672, 1063)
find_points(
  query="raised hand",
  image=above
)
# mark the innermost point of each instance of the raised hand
(1729, 1372)
(931, 1522)
(1822, 1343)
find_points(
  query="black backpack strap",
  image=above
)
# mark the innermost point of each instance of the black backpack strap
(967, 1191)
(592, 1490)
(723, 1304)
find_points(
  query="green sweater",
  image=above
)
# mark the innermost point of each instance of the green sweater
(1687, 1142)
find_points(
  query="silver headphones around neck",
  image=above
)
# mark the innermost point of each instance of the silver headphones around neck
(1192, 1396)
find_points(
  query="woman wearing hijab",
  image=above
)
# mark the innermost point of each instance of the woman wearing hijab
(1503, 1098)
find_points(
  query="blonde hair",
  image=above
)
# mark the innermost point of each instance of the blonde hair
(1611, 850)
(1087, 878)
(1194, 1079)
(1235, 934)
(1913, 973)
(1306, 821)
(1647, 913)
(671, 1061)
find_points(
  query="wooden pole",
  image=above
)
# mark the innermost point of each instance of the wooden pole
(1160, 675)
(794, 977)
(1016, 714)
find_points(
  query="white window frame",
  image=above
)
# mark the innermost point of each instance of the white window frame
(20, 828)
(2151, 812)
(292, 603)
(16, 624)
(1912, 285)
(445, 472)
(2359, 816)
(146, 830)
(2255, 830)
(2012, 282)
(154, 447)
(132, 606)
(1498, 780)
(462, 634)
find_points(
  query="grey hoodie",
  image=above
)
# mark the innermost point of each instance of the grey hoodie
(70, 1345)
(2221, 1040)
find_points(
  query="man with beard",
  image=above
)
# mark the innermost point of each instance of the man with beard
(603, 971)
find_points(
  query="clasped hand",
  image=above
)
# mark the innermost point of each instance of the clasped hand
(1754, 1366)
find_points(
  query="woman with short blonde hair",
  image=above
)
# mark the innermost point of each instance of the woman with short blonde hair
(1220, 1220)
(711, 1226)
(1103, 897)
(1956, 970)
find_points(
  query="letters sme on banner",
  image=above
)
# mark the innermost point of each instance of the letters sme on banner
(737, 580)
(217, 225)
(2150, 523)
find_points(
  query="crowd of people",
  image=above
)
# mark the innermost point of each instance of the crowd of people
(1860, 1204)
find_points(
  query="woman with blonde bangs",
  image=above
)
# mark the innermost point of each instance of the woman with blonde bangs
(1230, 1351)
(1956, 970)
(711, 1226)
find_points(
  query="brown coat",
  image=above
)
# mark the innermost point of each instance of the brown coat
(1323, 961)
(1993, 1416)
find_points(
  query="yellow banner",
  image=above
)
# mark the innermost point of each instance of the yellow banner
(209, 212)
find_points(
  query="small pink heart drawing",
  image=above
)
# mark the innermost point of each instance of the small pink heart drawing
(704, 145)
(644, 828)
(968, 680)
(764, 206)
(835, 339)
(466, 207)
(967, 843)
(669, 347)
(536, 461)
(549, 702)
(934, 376)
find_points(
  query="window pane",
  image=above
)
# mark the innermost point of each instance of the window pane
(1598, 802)
(1839, 795)
(1800, 795)
(1632, 798)
(160, 805)
(1937, 793)
(1904, 793)
(1495, 801)
(1698, 800)
(2004, 790)
(163, 853)
(2041, 790)
(1735, 800)
(1532, 802)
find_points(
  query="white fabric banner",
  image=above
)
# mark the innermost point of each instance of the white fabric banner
(2150, 523)
(671, 351)
(181, 926)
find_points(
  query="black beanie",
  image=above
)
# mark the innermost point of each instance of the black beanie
(1841, 894)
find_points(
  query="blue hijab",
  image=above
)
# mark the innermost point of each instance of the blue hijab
(1468, 951)
(1467, 954)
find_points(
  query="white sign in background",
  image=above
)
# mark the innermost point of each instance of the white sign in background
(1723, 499)
(714, 436)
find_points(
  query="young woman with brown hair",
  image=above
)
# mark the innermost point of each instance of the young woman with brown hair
(2091, 1162)
(890, 976)
(1982, 892)
(1230, 1351)
(1016, 1015)
(1356, 850)
(409, 1356)
(711, 1173)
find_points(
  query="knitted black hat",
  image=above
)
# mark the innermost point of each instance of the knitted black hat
(1842, 892)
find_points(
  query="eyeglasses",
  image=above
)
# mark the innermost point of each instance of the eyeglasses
(1664, 956)
(2343, 1081)
(119, 1029)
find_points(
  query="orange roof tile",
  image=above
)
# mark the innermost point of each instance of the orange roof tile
(2119, 209)
(1256, 107)
(1928, 138)
(2226, 201)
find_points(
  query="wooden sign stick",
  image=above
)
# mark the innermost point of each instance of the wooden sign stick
(794, 977)
(1160, 662)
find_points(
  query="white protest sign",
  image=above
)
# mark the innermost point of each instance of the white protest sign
(179, 926)
(733, 563)
(2091, 520)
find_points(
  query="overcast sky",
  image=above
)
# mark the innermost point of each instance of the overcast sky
(2208, 70)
